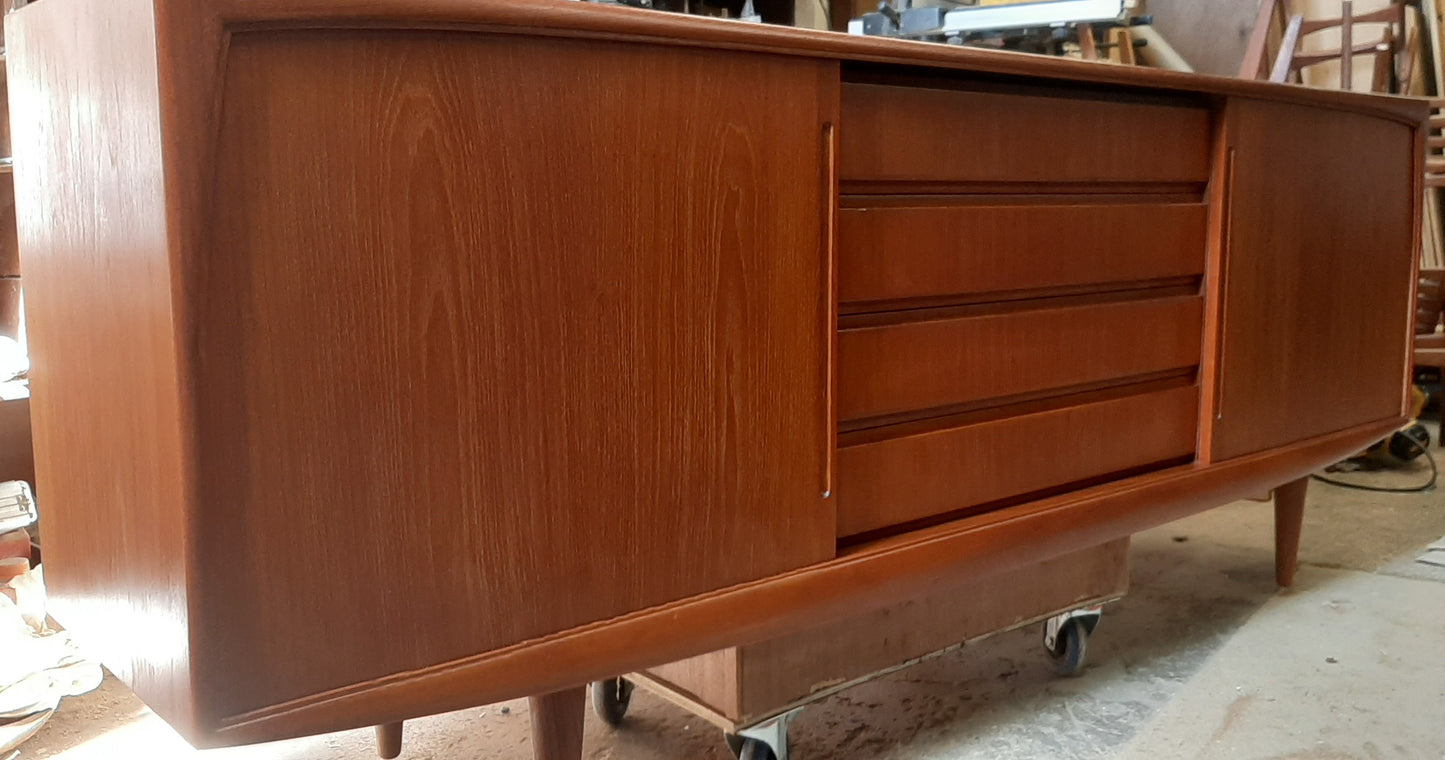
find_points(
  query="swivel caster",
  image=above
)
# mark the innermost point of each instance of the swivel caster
(763, 741)
(611, 698)
(750, 749)
(1066, 639)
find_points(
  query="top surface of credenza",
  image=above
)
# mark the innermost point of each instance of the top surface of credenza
(568, 18)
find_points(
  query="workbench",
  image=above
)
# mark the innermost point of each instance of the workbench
(397, 356)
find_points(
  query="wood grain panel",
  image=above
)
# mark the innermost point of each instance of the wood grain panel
(940, 362)
(889, 252)
(106, 402)
(1317, 275)
(516, 369)
(893, 133)
(898, 480)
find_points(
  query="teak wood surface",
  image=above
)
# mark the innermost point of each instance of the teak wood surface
(953, 248)
(1314, 309)
(916, 134)
(473, 338)
(419, 323)
(948, 360)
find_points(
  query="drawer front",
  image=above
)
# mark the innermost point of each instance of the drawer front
(938, 363)
(893, 133)
(895, 481)
(896, 252)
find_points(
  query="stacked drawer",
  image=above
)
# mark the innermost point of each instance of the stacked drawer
(1019, 285)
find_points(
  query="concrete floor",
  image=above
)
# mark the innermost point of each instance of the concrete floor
(1204, 659)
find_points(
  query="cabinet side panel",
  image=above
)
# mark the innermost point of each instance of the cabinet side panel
(496, 341)
(1317, 274)
(106, 404)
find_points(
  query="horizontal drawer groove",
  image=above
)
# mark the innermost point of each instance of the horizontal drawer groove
(1016, 300)
(895, 481)
(943, 308)
(935, 363)
(875, 200)
(874, 429)
(894, 252)
(1190, 191)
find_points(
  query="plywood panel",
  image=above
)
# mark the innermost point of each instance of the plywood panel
(710, 679)
(779, 672)
(511, 353)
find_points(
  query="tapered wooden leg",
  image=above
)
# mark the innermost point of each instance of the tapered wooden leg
(388, 740)
(1289, 514)
(557, 724)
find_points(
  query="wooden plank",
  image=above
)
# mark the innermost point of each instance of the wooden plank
(1087, 50)
(9, 243)
(891, 252)
(1430, 12)
(1283, 62)
(1122, 42)
(939, 362)
(1347, 55)
(452, 384)
(1256, 51)
(899, 480)
(709, 679)
(920, 134)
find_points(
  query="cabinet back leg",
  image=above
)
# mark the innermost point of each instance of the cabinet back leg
(388, 740)
(1289, 513)
(557, 724)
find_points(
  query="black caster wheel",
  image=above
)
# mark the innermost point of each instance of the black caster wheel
(750, 749)
(610, 699)
(1071, 648)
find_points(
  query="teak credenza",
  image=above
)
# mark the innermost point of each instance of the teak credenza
(398, 356)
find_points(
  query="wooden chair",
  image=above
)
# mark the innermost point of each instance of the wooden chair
(1278, 29)
(1434, 143)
